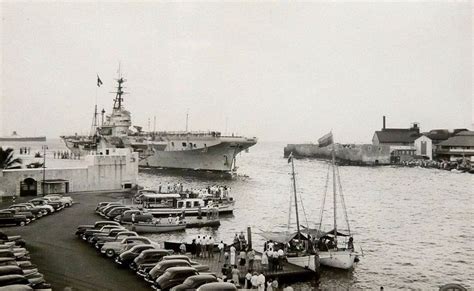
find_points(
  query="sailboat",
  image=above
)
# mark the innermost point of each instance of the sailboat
(320, 248)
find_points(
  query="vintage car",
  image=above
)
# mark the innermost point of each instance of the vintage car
(118, 237)
(112, 249)
(81, 229)
(108, 208)
(8, 218)
(101, 236)
(162, 266)
(66, 200)
(37, 212)
(127, 257)
(193, 282)
(116, 211)
(173, 276)
(57, 205)
(217, 286)
(89, 233)
(149, 257)
(139, 216)
(102, 205)
(7, 280)
(16, 240)
(29, 216)
(47, 209)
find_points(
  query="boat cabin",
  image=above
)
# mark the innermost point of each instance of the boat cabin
(173, 201)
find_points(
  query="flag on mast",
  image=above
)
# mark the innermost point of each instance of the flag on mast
(290, 157)
(99, 81)
(325, 140)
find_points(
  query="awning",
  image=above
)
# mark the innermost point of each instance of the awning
(282, 237)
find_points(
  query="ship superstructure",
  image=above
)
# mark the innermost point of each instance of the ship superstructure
(208, 151)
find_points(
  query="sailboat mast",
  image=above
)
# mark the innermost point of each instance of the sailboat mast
(296, 199)
(334, 192)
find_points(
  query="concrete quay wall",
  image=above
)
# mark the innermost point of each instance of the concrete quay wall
(354, 154)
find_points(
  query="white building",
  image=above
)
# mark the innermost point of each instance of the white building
(424, 147)
(113, 169)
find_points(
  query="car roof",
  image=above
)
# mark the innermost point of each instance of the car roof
(201, 277)
(171, 262)
(217, 286)
(176, 257)
(180, 269)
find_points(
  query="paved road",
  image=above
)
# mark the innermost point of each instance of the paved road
(67, 261)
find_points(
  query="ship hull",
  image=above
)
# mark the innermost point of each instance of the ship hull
(219, 157)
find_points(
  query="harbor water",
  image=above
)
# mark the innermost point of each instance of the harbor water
(414, 225)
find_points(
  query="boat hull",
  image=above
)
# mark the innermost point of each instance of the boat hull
(219, 157)
(223, 209)
(155, 228)
(336, 259)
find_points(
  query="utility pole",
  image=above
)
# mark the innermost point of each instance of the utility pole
(187, 118)
(44, 147)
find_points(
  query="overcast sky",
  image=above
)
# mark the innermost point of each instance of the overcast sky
(278, 71)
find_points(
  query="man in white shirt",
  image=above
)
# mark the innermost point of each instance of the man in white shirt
(281, 255)
(210, 247)
(221, 250)
(261, 282)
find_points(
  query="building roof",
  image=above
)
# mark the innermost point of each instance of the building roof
(397, 135)
(462, 139)
(438, 134)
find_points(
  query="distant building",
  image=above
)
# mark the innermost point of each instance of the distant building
(396, 136)
(457, 147)
(424, 147)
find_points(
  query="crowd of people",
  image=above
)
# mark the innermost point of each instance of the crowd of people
(217, 191)
(461, 164)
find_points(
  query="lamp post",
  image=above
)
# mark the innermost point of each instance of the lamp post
(45, 147)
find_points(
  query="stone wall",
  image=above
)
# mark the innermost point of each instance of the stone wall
(356, 154)
(103, 172)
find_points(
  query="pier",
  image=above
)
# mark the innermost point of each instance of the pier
(290, 273)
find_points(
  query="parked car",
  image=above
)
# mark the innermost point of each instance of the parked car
(81, 229)
(47, 209)
(162, 266)
(116, 211)
(140, 216)
(57, 205)
(103, 204)
(38, 213)
(7, 218)
(218, 286)
(149, 257)
(16, 240)
(173, 276)
(89, 233)
(66, 200)
(193, 282)
(7, 280)
(127, 257)
(118, 237)
(29, 216)
(107, 208)
(104, 235)
(112, 249)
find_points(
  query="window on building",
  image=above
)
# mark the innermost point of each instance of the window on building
(184, 144)
(172, 143)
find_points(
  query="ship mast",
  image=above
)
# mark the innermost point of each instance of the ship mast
(334, 192)
(294, 192)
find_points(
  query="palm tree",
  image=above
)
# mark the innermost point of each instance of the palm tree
(7, 161)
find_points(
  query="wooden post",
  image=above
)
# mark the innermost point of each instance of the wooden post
(249, 236)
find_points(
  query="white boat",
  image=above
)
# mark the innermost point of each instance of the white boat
(313, 246)
(150, 227)
(174, 204)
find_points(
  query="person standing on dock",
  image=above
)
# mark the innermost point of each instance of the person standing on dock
(193, 248)
(221, 250)
(198, 246)
(236, 276)
(204, 247)
(264, 261)
(251, 258)
(248, 278)
(254, 280)
(242, 258)
(210, 247)
(232, 256)
(261, 282)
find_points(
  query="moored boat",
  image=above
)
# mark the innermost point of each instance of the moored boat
(153, 227)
